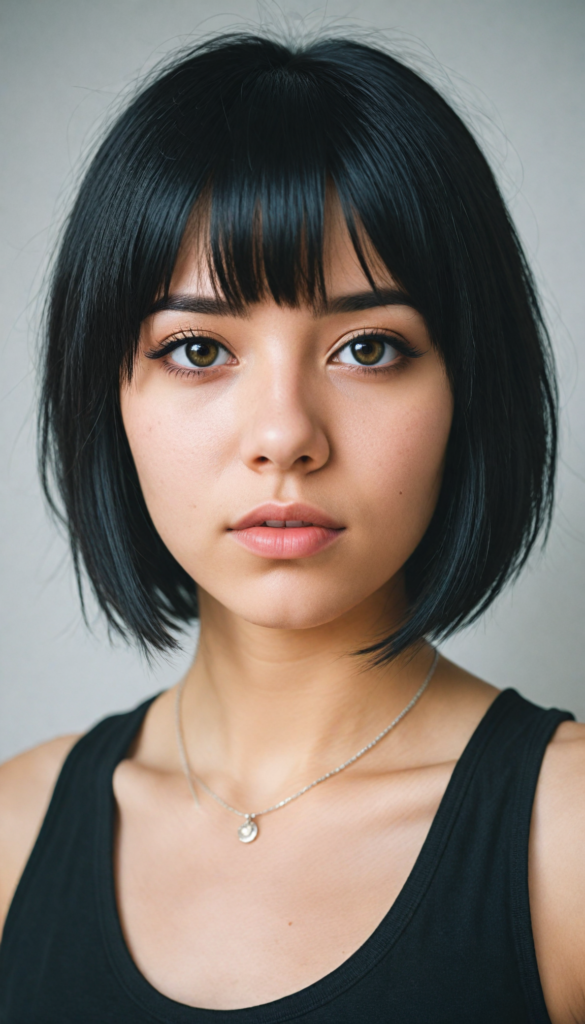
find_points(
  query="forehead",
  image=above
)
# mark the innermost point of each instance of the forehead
(342, 271)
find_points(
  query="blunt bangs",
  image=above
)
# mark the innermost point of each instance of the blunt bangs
(245, 140)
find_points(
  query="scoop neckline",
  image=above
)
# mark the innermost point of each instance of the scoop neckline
(163, 1009)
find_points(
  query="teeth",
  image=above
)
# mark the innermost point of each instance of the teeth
(280, 524)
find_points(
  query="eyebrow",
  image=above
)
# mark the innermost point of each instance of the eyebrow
(354, 303)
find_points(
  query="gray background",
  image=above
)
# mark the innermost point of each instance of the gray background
(516, 70)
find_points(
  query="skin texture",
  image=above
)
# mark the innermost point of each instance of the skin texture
(276, 696)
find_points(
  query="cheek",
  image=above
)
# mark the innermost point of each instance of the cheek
(397, 457)
(408, 461)
(176, 454)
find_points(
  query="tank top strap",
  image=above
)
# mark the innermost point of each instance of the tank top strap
(537, 725)
(484, 830)
(76, 804)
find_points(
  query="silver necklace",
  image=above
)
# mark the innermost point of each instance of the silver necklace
(248, 831)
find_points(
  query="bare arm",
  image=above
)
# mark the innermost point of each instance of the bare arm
(26, 785)
(557, 875)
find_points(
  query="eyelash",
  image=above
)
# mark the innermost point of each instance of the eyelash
(175, 342)
(405, 352)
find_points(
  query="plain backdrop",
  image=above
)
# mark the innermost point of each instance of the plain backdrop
(516, 71)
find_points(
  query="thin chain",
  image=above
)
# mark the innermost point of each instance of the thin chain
(190, 774)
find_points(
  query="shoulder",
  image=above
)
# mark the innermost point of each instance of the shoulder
(559, 809)
(557, 873)
(26, 785)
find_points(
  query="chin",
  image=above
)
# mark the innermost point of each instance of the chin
(289, 607)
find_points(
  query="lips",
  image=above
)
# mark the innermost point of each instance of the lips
(286, 531)
(293, 516)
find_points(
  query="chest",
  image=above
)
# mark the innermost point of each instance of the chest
(216, 923)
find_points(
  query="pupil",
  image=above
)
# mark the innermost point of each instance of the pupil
(368, 351)
(202, 353)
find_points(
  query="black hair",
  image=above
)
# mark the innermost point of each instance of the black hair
(252, 126)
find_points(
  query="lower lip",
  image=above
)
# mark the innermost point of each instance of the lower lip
(286, 542)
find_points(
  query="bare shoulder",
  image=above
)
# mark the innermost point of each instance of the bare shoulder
(557, 873)
(26, 784)
(560, 795)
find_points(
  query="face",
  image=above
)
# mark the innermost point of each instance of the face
(290, 459)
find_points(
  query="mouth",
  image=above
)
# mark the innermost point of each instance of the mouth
(286, 517)
(277, 524)
(286, 531)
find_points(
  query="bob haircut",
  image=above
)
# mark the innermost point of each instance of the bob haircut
(253, 128)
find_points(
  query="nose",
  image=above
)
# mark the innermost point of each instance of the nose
(283, 429)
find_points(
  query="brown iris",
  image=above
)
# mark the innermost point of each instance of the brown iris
(367, 351)
(202, 352)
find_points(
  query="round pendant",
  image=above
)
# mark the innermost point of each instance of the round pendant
(248, 831)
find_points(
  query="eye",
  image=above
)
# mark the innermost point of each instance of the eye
(367, 350)
(200, 353)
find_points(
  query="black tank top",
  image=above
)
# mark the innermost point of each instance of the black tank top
(456, 946)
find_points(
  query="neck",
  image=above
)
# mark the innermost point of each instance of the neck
(265, 710)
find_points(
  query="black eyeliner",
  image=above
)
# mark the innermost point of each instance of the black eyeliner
(169, 346)
(401, 346)
(178, 341)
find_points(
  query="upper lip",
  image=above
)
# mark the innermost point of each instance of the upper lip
(295, 512)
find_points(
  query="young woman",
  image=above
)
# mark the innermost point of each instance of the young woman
(297, 385)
